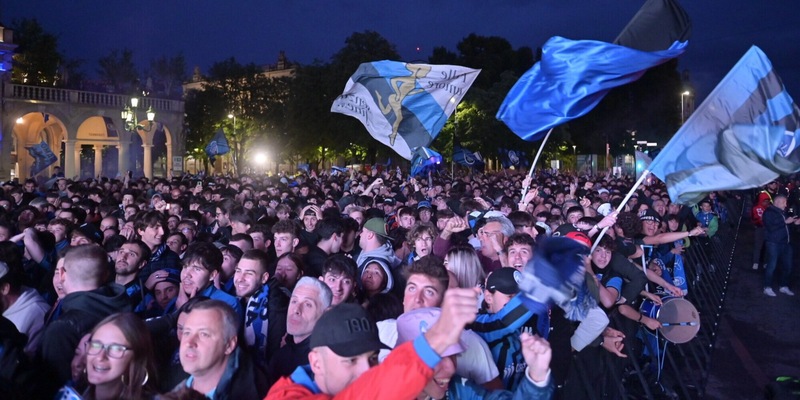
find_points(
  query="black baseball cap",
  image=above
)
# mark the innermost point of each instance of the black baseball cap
(348, 330)
(650, 215)
(504, 280)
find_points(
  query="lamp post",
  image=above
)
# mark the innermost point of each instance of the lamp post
(132, 124)
(575, 156)
(683, 105)
(235, 146)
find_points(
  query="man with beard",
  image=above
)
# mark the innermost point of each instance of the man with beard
(265, 303)
(131, 258)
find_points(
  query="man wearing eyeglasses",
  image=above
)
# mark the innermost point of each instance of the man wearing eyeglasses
(87, 301)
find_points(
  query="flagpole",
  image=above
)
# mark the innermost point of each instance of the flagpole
(535, 160)
(622, 206)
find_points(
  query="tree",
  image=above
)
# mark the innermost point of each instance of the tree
(37, 60)
(169, 72)
(119, 71)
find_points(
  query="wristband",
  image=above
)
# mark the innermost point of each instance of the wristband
(640, 318)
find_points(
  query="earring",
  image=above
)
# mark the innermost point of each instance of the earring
(146, 377)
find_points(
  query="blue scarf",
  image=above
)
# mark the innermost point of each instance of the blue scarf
(256, 320)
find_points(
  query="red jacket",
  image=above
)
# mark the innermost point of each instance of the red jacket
(403, 375)
(758, 210)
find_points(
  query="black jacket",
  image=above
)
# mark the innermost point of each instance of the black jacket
(288, 358)
(241, 380)
(775, 229)
(80, 312)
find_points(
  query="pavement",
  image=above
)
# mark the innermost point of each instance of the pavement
(758, 337)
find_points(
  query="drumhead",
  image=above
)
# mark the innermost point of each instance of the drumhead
(677, 310)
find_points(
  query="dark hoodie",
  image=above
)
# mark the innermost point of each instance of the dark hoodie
(80, 312)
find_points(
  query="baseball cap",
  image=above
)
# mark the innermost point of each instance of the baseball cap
(504, 280)
(389, 200)
(348, 330)
(90, 232)
(603, 190)
(416, 322)
(168, 275)
(424, 204)
(650, 215)
(377, 225)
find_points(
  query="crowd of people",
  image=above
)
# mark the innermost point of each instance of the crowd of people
(364, 284)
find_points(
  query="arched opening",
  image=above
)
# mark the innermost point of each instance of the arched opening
(36, 139)
(96, 147)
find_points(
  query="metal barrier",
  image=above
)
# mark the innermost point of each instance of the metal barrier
(685, 368)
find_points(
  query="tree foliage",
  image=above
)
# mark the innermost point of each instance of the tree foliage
(169, 73)
(37, 59)
(118, 70)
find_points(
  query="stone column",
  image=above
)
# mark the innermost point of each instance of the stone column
(77, 160)
(170, 167)
(69, 158)
(122, 162)
(98, 159)
(148, 160)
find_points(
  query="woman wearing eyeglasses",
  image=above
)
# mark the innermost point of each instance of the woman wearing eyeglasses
(119, 359)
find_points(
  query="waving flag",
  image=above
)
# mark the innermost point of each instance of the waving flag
(218, 146)
(43, 157)
(467, 158)
(744, 135)
(424, 160)
(514, 158)
(573, 76)
(404, 105)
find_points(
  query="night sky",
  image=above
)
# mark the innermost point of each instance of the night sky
(255, 31)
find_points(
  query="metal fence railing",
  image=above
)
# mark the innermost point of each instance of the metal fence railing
(684, 368)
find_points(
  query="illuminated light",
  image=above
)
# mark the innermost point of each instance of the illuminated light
(20, 120)
(260, 158)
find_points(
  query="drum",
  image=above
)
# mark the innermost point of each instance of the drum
(679, 319)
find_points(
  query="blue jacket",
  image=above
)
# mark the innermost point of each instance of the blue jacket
(464, 389)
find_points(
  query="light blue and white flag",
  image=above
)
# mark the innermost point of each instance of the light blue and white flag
(404, 105)
(742, 136)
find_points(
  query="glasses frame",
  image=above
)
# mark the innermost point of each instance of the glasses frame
(91, 349)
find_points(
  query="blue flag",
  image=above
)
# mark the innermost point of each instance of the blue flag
(424, 160)
(569, 81)
(43, 157)
(743, 135)
(514, 158)
(217, 146)
(467, 158)
(404, 105)
(573, 76)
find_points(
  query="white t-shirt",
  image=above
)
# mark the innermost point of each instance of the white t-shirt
(475, 363)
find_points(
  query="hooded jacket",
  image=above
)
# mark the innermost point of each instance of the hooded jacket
(80, 312)
(383, 256)
(28, 314)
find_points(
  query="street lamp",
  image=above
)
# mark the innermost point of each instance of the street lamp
(132, 124)
(683, 105)
(131, 120)
(575, 156)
